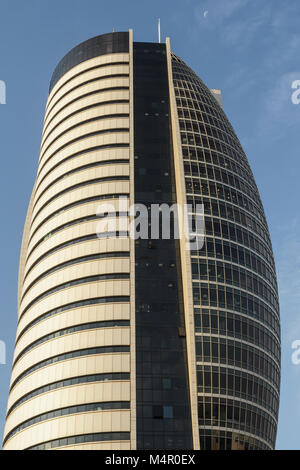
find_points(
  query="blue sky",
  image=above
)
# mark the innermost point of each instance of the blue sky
(249, 49)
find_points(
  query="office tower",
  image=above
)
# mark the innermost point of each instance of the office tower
(127, 343)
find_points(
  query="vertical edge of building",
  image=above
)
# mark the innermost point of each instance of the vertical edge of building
(185, 256)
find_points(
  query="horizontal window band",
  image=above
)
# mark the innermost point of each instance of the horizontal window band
(92, 378)
(246, 367)
(94, 236)
(80, 202)
(227, 281)
(80, 185)
(239, 314)
(77, 154)
(202, 336)
(210, 167)
(70, 355)
(74, 204)
(237, 395)
(74, 222)
(81, 123)
(220, 312)
(228, 369)
(230, 220)
(84, 95)
(227, 156)
(81, 97)
(70, 306)
(118, 161)
(80, 439)
(121, 234)
(83, 137)
(99, 406)
(82, 84)
(82, 259)
(112, 64)
(63, 134)
(194, 184)
(76, 282)
(240, 402)
(233, 266)
(256, 435)
(240, 244)
(255, 439)
(72, 329)
(81, 110)
(213, 217)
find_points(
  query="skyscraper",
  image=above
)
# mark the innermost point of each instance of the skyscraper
(127, 343)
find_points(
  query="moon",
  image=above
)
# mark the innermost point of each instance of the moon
(205, 14)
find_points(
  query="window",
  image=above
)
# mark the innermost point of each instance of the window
(168, 412)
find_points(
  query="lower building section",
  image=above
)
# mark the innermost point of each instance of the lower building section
(71, 375)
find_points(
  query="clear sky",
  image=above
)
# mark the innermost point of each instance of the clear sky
(250, 49)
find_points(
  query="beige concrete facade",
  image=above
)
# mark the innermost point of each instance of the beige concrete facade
(88, 107)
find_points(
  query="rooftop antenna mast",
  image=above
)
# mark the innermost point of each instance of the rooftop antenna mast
(159, 30)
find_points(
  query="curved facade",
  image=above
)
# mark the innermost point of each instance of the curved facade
(71, 370)
(142, 344)
(235, 297)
